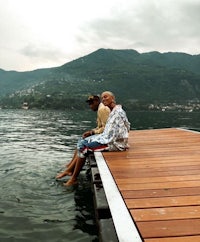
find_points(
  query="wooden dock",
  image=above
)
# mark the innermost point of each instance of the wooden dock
(153, 189)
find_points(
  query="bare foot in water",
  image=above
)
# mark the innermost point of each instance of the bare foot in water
(70, 182)
(64, 173)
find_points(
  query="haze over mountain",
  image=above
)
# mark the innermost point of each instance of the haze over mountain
(134, 77)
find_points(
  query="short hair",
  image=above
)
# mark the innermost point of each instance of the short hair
(109, 93)
(93, 98)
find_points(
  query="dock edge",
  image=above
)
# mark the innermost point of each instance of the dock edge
(124, 225)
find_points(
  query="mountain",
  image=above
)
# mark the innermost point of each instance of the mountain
(11, 81)
(135, 78)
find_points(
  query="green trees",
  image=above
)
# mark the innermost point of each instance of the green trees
(137, 80)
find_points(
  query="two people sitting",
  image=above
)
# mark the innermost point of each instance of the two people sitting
(113, 138)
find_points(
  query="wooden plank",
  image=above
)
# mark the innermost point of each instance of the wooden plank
(169, 228)
(175, 239)
(169, 163)
(163, 202)
(158, 179)
(128, 173)
(158, 185)
(161, 192)
(165, 213)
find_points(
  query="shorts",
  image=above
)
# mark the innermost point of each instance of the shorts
(86, 146)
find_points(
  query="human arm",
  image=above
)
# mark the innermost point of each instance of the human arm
(87, 133)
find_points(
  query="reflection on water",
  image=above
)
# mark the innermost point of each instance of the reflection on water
(34, 146)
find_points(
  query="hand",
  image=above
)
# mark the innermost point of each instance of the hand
(87, 133)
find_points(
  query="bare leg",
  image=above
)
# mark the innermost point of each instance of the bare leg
(72, 165)
(78, 166)
(69, 170)
(74, 156)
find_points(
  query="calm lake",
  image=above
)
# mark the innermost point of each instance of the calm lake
(34, 146)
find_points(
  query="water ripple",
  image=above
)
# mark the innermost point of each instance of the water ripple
(34, 145)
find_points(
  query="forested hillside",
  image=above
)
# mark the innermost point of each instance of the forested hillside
(136, 79)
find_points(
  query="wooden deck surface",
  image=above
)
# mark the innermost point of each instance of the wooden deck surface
(159, 180)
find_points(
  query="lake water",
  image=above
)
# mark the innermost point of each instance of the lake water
(34, 147)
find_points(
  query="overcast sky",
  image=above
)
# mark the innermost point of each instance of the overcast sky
(47, 33)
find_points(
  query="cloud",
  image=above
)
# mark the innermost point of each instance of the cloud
(52, 32)
(152, 25)
(41, 51)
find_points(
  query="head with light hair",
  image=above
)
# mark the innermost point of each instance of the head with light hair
(108, 99)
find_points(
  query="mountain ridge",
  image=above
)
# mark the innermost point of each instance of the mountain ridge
(132, 76)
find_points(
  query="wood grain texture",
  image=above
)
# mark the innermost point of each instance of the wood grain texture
(159, 179)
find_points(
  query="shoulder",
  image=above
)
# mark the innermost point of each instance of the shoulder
(118, 110)
(103, 108)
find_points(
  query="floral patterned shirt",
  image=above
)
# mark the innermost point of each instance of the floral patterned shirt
(115, 134)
